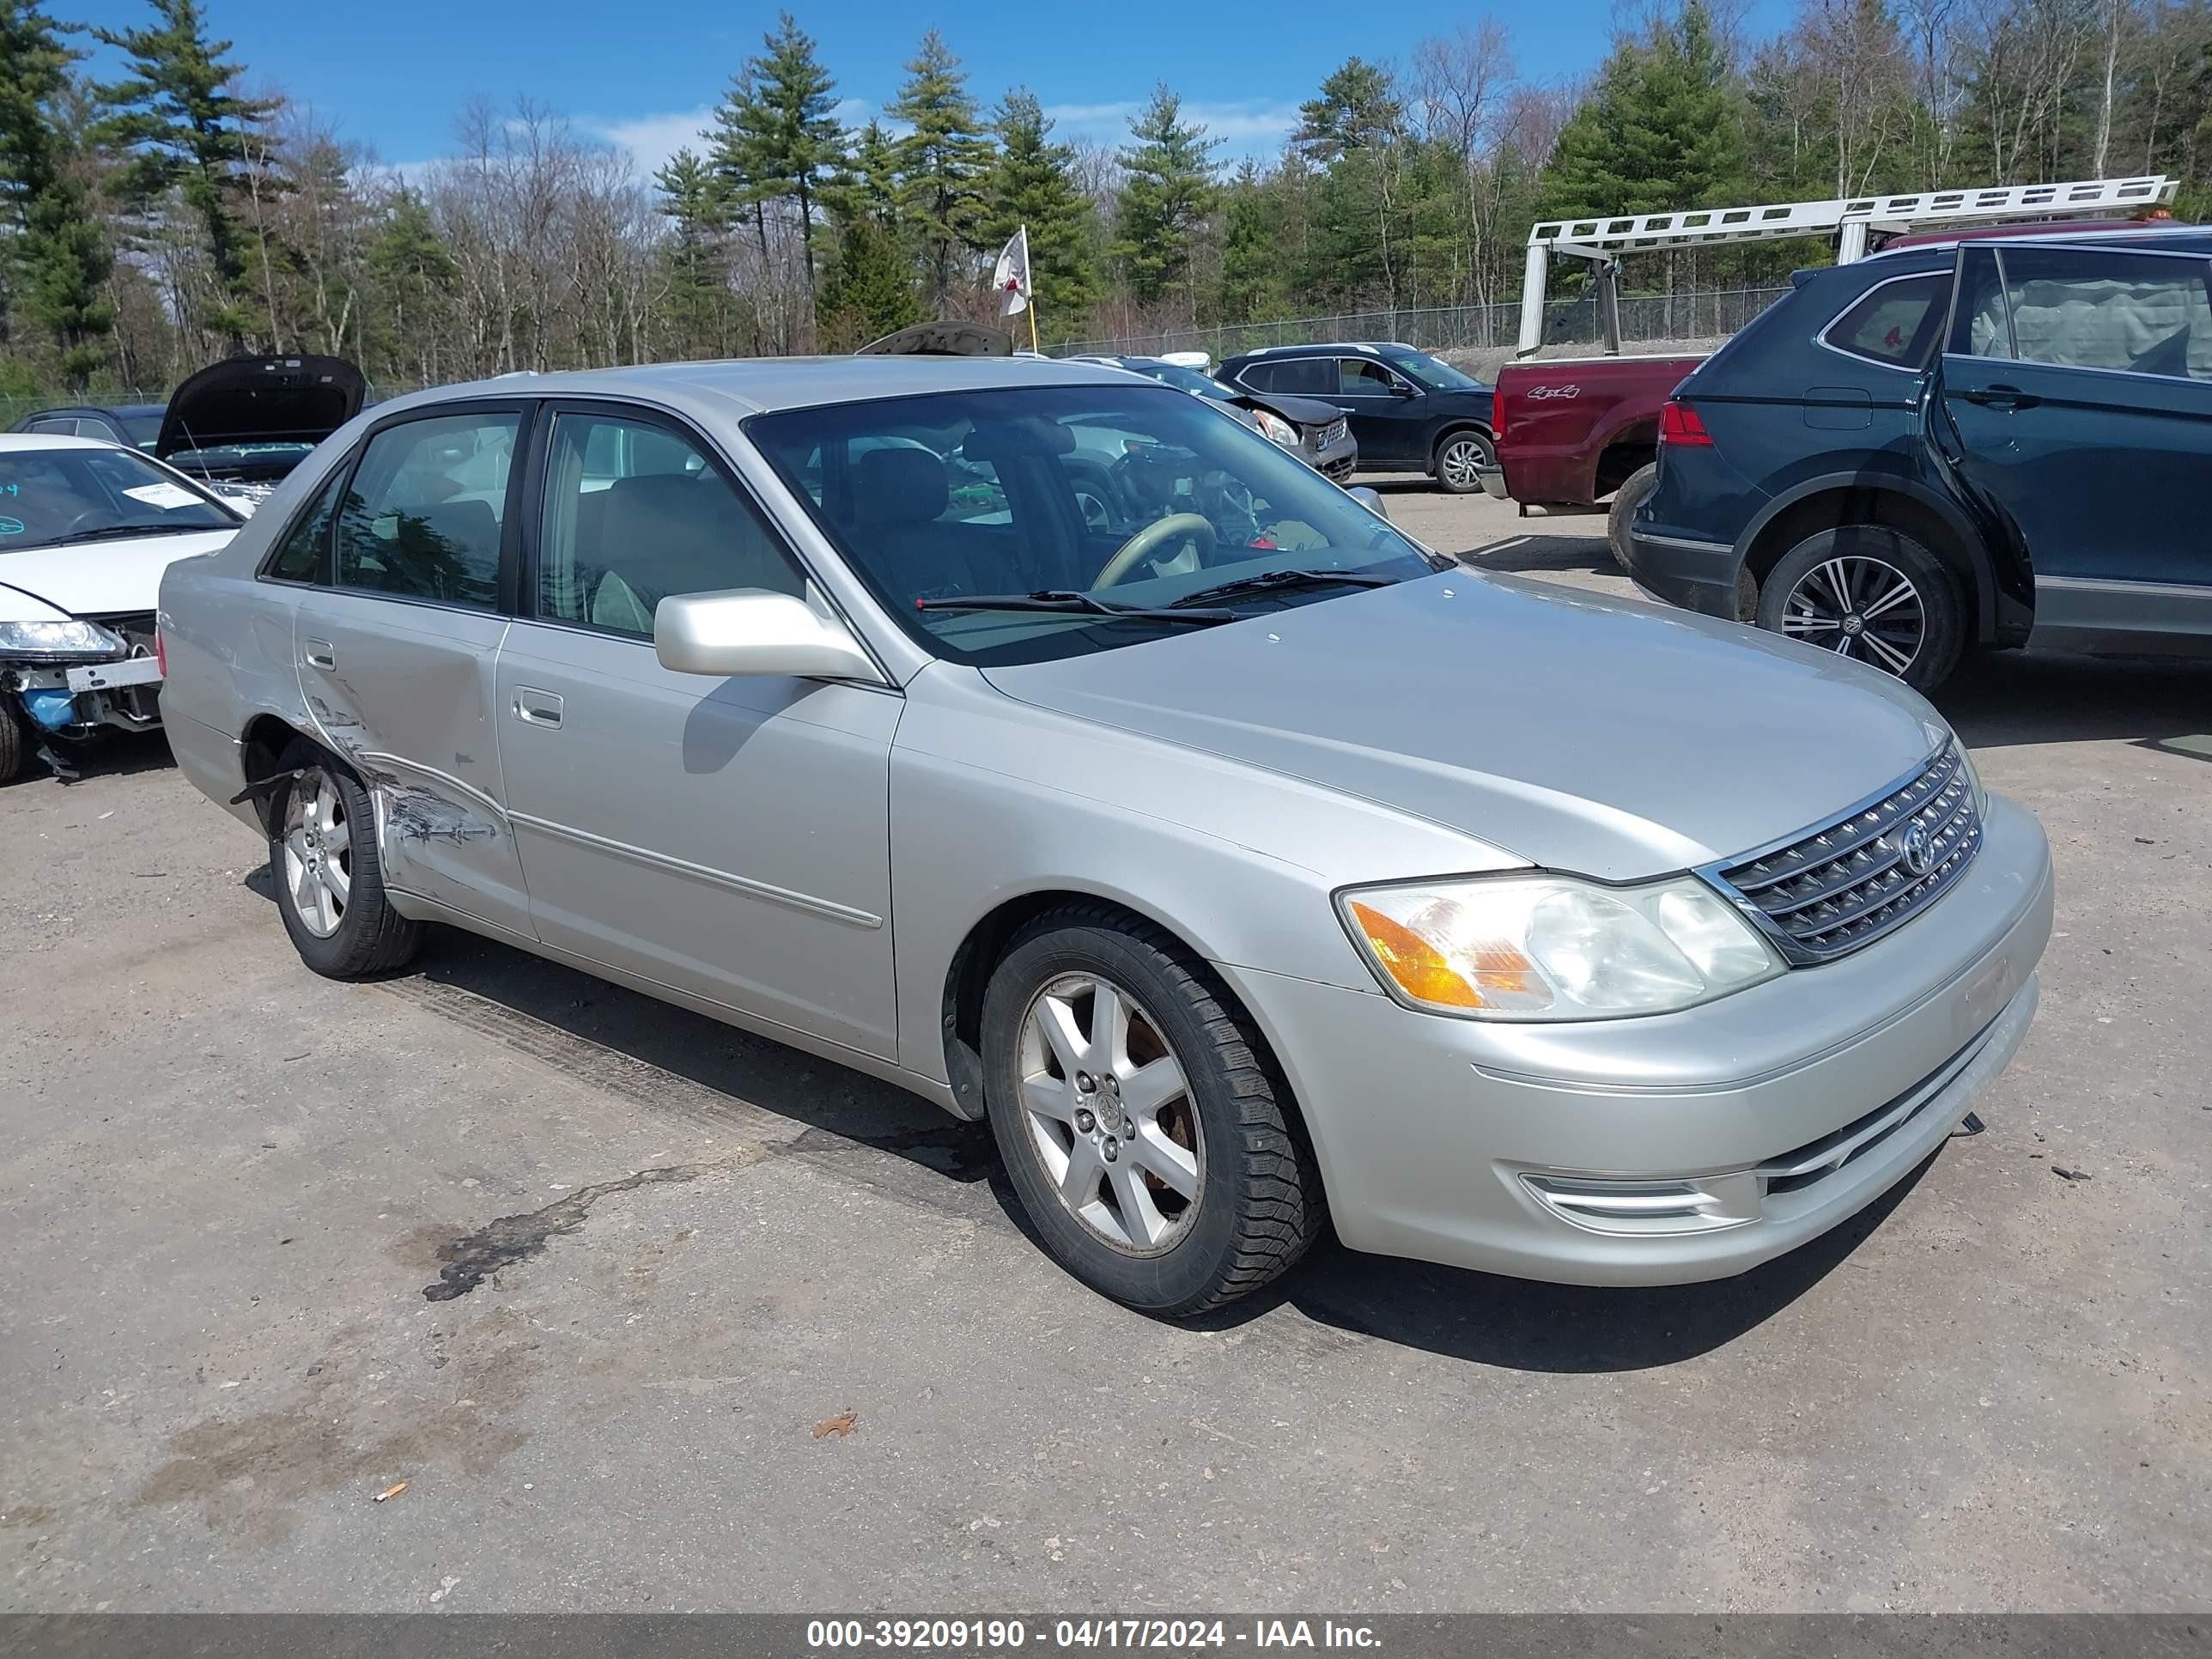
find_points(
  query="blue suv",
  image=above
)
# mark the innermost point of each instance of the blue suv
(1971, 442)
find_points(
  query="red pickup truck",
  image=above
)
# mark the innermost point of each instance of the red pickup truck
(1573, 430)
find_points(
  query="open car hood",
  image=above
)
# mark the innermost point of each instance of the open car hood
(244, 401)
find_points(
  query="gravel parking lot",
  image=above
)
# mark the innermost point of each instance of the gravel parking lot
(600, 1282)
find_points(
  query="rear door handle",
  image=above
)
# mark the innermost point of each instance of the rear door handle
(2002, 397)
(534, 707)
(318, 653)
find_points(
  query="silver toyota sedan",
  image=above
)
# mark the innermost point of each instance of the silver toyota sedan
(1059, 750)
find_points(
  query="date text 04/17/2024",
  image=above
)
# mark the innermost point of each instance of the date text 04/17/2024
(1008, 1635)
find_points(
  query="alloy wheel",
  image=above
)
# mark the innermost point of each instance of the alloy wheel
(1109, 1114)
(317, 852)
(1859, 607)
(1461, 463)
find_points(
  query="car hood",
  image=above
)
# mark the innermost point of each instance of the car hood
(96, 579)
(261, 400)
(1299, 412)
(1577, 732)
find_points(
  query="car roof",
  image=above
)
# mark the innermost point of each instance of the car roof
(752, 385)
(2160, 235)
(12, 440)
(1328, 349)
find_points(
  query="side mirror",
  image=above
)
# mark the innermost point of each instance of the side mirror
(1400, 389)
(1368, 499)
(751, 631)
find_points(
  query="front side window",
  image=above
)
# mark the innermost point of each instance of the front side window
(2095, 308)
(633, 513)
(1365, 377)
(53, 496)
(1893, 323)
(422, 515)
(1129, 496)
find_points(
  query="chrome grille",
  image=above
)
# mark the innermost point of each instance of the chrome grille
(1331, 434)
(1829, 892)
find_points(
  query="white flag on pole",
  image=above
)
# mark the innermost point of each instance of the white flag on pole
(1012, 277)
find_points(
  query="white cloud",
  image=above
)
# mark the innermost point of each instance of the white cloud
(651, 140)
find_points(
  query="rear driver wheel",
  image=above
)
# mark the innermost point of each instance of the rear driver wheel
(329, 880)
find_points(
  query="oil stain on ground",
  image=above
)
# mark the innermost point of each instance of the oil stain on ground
(474, 1257)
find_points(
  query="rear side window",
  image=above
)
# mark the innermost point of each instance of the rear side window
(1300, 376)
(1894, 323)
(2094, 309)
(421, 518)
(299, 556)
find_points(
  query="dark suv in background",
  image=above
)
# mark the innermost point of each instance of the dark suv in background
(1971, 443)
(1410, 412)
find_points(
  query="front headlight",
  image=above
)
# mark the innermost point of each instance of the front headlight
(59, 639)
(1554, 947)
(1275, 427)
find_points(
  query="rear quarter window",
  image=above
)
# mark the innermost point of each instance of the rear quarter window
(1893, 323)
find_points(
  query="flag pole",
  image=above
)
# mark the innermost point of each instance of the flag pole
(1032, 276)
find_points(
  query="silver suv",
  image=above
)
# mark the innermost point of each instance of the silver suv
(1043, 743)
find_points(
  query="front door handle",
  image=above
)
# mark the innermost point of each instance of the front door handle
(534, 707)
(318, 653)
(2002, 397)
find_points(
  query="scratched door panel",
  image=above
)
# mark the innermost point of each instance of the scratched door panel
(405, 690)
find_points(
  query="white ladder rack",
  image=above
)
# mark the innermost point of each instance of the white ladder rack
(1603, 240)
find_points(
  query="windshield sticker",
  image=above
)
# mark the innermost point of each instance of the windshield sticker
(11, 527)
(163, 495)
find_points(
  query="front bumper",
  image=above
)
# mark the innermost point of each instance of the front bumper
(77, 700)
(1675, 1148)
(1337, 461)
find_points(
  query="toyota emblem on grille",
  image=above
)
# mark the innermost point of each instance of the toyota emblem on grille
(1915, 849)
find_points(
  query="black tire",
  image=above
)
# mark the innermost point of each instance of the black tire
(1801, 590)
(1258, 1201)
(1452, 478)
(370, 937)
(12, 746)
(1632, 495)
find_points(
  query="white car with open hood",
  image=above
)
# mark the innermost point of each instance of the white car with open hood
(86, 530)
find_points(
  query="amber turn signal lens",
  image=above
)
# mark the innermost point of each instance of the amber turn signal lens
(1417, 967)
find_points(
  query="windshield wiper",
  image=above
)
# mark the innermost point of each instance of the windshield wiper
(1064, 603)
(1271, 581)
(108, 532)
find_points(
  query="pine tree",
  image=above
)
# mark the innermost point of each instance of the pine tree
(802, 146)
(744, 152)
(411, 279)
(1034, 185)
(184, 130)
(1252, 263)
(692, 196)
(868, 290)
(1167, 191)
(944, 160)
(58, 254)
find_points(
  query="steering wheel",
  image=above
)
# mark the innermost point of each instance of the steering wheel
(1146, 542)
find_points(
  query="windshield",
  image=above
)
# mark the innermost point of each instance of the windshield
(1134, 495)
(1181, 378)
(49, 496)
(1433, 373)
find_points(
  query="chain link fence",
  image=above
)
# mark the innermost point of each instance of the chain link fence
(1707, 314)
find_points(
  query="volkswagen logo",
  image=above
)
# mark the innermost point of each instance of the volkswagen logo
(1916, 850)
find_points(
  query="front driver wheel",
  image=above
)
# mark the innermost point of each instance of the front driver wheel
(1461, 459)
(1151, 1146)
(329, 880)
(1870, 593)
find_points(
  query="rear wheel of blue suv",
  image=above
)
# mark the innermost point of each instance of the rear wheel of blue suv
(1950, 446)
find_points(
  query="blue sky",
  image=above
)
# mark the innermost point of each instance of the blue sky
(642, 76)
